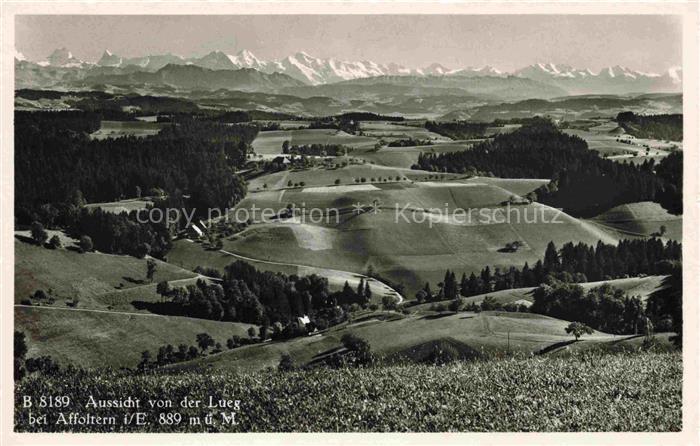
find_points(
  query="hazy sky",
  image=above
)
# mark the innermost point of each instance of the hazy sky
(647, 43)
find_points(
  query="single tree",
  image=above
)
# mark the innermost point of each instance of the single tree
(145, 360)
(578, 329)
(455, 305)
(551, 258)
(39, 234)
(20, 351)
(163, 288)
(262, 332)
(55, 242)
(85, 243)
(389, 302)
(192, 352)
(150, 269)
(204, 341)
(367, 292)
(361, 288)
(286, 363)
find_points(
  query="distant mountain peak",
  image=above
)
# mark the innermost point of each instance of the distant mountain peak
(62, 57)
(313, 70)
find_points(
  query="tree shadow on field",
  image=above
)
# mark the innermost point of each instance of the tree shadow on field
(555, 346)
(132, 280)
(164, 308)
(25, 239)
(437, 316)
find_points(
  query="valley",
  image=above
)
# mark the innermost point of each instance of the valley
(305, 221)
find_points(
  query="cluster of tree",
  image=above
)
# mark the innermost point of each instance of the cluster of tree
(68, 121)
(349, 296)
(665, 306)
(121, 233)
(368, 116)
(167, 354)
(349, 122)
(102, 230)
(262, 298)
(583, 183)
(574, 263)
(335, 123)
(316, 149)
(24, 366)
(489, 303)
(142, 105)
(458, 129)
(234, 116)
(603, 308)
(410, 142)
(664, 127)
(54, 164)
(610, 310)
(356, 353)
(670, 169)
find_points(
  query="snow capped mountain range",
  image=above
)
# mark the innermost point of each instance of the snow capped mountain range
(317, 71)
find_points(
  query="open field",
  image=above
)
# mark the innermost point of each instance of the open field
(407, 156)
(604, 136)
(391, 131)
(89, 338)
(285, 125)
(70, 274)
(642, 219)
(322, 176)
(270, 142)
(115, 129)
(623, 392)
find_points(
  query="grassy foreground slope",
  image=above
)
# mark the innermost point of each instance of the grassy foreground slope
(89, 338)
(625, 392)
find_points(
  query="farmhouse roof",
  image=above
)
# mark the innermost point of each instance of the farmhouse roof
(196, 229)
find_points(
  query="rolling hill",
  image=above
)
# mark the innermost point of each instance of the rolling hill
(642, 219)
(69, 274)
(349, 239)
(92, 338)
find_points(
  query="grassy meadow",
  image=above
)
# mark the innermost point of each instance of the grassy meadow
(586, 392)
